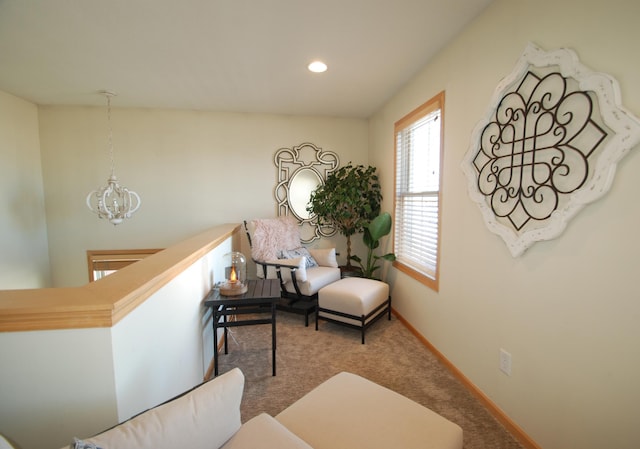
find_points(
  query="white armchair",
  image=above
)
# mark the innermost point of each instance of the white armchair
(278, 253)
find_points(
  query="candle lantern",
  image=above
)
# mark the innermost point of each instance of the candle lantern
(235, 273)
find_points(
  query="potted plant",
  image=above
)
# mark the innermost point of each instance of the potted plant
(348, 200)
(378, 228)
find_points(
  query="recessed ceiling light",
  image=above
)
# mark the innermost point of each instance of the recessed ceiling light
(318, 67)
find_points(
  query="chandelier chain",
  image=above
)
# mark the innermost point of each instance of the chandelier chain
(110, 138)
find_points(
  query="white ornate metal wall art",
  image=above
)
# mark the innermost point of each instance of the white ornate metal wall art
(547, 146)
(301, 170)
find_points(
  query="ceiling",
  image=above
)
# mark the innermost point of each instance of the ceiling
(223, 55)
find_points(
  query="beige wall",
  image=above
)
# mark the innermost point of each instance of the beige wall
(193, 170)
(24, 257)
(568, 309)
(56, 383)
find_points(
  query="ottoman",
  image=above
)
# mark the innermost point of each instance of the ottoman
(354, 302)
(348, 411)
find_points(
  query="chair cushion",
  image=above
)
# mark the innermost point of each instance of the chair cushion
(204, 418)
(264, 431)
(317, 277)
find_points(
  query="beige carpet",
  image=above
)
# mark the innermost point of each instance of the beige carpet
(392, 357)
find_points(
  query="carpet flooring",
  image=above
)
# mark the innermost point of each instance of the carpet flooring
(392, 357)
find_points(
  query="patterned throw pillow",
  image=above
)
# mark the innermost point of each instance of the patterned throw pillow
(300, 252)
(79, 444)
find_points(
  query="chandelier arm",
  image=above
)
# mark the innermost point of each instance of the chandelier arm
(89, 205)
(138, 202)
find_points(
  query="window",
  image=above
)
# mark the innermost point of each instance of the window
(102, 263)
(417, 196)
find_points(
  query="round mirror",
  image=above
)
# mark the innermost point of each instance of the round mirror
(303, 182)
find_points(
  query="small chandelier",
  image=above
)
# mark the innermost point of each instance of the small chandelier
(113, 202)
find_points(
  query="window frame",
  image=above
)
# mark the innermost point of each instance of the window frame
(431, 105)
(103, 262)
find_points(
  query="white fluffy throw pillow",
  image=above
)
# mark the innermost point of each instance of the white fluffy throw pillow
(271, 236)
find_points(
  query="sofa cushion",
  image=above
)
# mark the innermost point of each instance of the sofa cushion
(204, 418)
(263, 431)
(4, 443)
(348, 411)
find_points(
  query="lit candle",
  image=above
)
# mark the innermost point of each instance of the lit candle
(233, 276)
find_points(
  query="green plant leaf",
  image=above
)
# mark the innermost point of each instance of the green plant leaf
(380, 226)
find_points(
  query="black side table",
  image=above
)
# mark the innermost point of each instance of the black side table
(260, 299)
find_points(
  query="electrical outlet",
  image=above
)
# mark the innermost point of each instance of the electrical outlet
(505, 362)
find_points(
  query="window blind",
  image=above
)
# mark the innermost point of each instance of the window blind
(418, 147)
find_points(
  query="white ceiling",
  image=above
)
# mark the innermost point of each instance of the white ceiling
(223, 55)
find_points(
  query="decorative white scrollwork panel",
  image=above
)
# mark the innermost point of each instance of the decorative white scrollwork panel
(547, 146)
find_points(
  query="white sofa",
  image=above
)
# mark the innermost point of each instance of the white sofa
(346, 411)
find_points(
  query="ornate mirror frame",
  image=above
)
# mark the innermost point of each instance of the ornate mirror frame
(547, 146)
(301, 170)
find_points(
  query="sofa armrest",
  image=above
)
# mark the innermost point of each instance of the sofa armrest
(263, 431)
(204, 418)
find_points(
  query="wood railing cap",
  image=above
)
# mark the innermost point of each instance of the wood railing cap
(105, 302)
